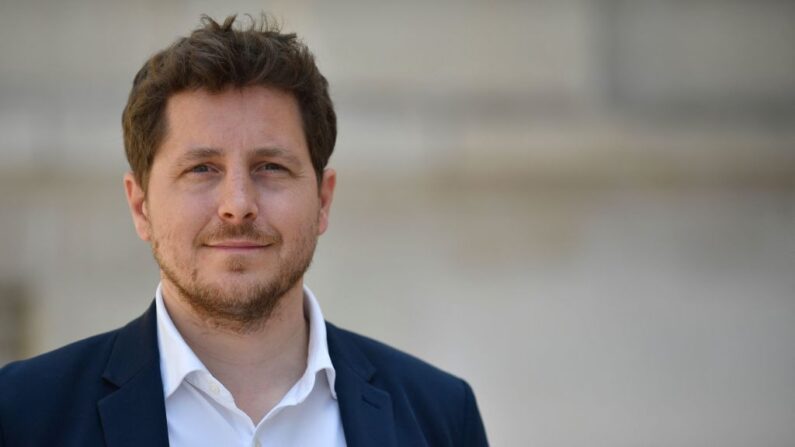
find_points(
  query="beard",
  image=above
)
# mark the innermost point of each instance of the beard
(240, 308)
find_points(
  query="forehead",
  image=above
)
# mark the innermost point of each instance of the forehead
(233, 120)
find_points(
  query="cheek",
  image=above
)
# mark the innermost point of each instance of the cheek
(178, 218)
(296, 208)
(292, 215)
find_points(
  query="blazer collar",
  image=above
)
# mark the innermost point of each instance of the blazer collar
(135, 413)
(365, 409)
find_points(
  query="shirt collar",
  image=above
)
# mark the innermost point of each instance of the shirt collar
(177, 359)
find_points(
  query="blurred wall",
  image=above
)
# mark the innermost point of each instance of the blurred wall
(586, 208)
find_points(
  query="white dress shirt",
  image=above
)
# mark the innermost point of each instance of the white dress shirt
(200, 411)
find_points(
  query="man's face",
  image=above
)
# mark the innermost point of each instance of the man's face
(233, 209)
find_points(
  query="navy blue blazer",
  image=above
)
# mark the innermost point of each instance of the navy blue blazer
(107, 391)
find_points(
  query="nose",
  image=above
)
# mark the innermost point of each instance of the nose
(238, 199)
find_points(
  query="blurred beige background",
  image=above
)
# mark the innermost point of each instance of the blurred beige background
(586, 208)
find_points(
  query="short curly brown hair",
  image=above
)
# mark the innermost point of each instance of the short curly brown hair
(219, 56)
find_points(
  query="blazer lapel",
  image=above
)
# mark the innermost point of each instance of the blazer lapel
(135, 413)
(366, 410)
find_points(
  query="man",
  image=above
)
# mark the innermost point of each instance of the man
(228, 133)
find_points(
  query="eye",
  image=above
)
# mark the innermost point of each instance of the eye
(199, 169)
(272, 167)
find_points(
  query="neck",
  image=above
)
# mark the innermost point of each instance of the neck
(259, 366)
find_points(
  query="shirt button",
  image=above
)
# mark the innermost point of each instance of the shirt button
(257, 444)
(215, 389)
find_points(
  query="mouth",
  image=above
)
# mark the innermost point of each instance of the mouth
(237, 245)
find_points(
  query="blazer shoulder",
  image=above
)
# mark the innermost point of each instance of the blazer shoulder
(441, 404)
(58, 368)
(390, 361)
(60, 390)
(85, 358)
(57, 390)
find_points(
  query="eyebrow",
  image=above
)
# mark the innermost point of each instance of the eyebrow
(277, 152)
(203, 153)
(199, 153)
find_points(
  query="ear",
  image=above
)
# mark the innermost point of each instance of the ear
(136, 200)
(327, 185)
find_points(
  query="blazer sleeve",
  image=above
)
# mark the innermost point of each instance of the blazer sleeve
(2, 431)
(474, 431)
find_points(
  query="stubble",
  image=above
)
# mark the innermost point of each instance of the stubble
(242, 309)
